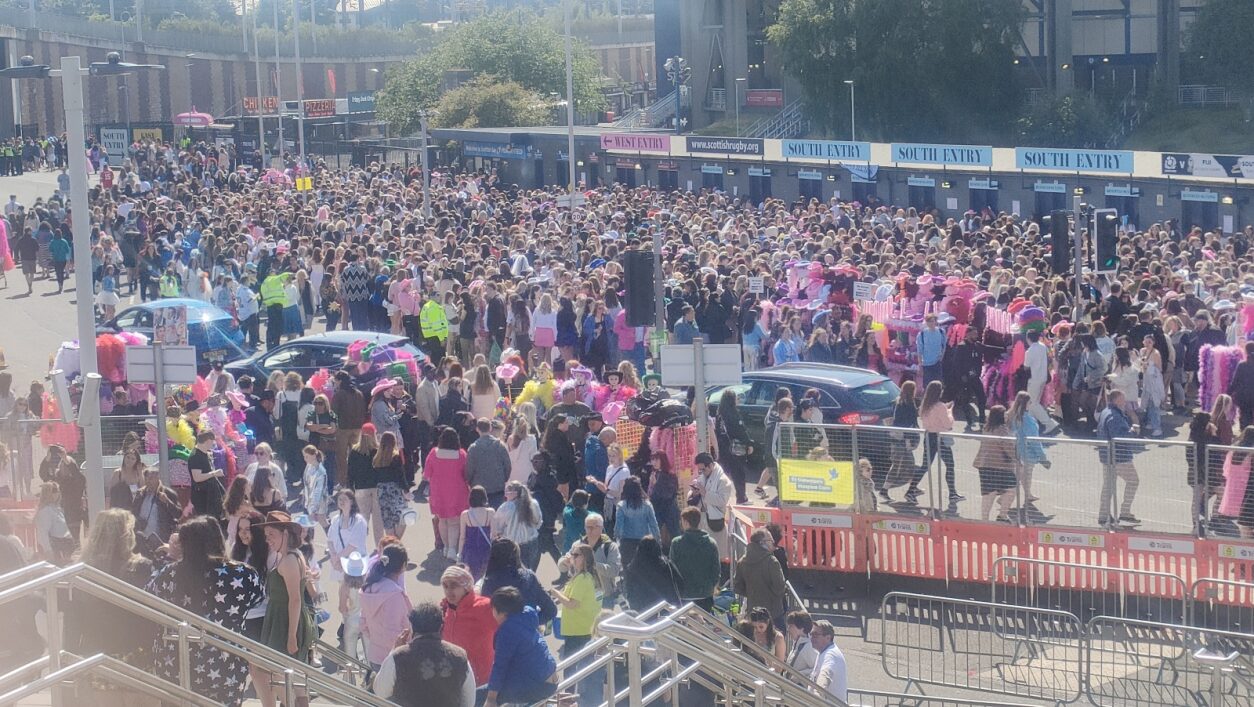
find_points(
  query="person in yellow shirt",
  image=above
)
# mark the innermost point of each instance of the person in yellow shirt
(580, 608)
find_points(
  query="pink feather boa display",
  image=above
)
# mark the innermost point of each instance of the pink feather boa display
(1216, 365)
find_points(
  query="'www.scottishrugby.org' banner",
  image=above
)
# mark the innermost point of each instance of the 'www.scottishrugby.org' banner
(1202, 165)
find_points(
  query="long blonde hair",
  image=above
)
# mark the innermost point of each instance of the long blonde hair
(111, 544)
(483, 383)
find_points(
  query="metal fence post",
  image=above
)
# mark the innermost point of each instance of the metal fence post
(185, 662)
(759, 693)
(635, 686)
(53, 627)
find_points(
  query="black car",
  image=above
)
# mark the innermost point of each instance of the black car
(847, 396)
(308, 354)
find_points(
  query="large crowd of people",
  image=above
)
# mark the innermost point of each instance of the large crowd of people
(509, 425)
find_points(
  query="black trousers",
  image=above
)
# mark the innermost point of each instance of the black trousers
(274, 325)
(410, 324)
(967, 394)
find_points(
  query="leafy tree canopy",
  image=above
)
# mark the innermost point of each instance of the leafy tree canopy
(512, 46)
(488, 103)
(923, 69)
(1218, 47)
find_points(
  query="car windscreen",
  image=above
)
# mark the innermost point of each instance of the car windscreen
(873, 396)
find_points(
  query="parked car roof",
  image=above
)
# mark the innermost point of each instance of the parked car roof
(844, 376)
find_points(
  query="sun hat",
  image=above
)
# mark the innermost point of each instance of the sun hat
(281, 519)
(354, 565)
(383, 385)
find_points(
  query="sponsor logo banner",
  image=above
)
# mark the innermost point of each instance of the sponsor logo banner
(1205, 165)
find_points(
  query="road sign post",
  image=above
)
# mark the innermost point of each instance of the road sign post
(699, 364)
(160, 364)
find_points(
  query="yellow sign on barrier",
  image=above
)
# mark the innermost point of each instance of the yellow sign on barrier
(816, 481)
(304, 183)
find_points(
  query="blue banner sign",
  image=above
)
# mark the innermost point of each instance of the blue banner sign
(495, 150)
(1073, 160)
(920, 181)
(826, 150)
(813, 175)
(965, 155)
(1050, 187)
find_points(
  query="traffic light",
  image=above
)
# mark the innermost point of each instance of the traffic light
(1059, 228)
(1106, 239)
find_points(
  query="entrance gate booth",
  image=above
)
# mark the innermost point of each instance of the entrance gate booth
(1199, 208)
(983, 193)
(1050, 196)
(810, 184)
(1124, 199)
(922, 193)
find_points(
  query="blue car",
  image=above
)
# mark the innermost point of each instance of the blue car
(308, 354)
(212, 330)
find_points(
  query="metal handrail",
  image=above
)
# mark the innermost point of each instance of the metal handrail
(110, 668)
(700, 642)
(352, 666)
(124, 596)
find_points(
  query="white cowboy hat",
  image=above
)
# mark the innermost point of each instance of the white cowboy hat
(354, 565)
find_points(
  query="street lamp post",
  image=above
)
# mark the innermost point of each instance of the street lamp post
(71, 75)
(261, 101)
(423, 114)
(853, 132)
(300, 85)
(738, 84)
(570, 135)
(278, 85)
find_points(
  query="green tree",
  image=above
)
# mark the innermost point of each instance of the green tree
(488, 103)
(513, 46)
(923, 69)
(1218, 49)
(1067, 121)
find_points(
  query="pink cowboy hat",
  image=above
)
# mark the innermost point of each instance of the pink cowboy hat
(238, 400)
(506, 371)
(385, 384)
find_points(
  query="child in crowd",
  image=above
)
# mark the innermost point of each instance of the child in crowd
(572, 519)
(314, 487)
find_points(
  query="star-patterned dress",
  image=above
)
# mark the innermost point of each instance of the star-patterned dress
(233, 588)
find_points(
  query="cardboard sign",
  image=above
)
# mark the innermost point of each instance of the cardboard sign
(756, 285)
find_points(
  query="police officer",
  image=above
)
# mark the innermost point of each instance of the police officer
(273, 298)
(170, 284)
(434, 324)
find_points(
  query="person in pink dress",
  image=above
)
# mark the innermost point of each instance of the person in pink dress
(445, 471)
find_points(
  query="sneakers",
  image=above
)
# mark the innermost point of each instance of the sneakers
(1129, 519)
(912, 496)
(955, 497)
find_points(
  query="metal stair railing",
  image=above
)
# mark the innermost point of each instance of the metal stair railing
(789, 122)
(661, 111)
(107, 668)
(630, 119)
(688, 649)
(179, 625)
(354, 669)
(607, 653)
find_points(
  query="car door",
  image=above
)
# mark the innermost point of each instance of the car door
(757, 402)
(137, 320)
(288, 359)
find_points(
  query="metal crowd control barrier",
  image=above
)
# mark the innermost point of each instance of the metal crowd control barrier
(1051, 654)
(1131, 662)
(877, 698)
(1090, 590)
(974, 645)
(1222, 604)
